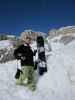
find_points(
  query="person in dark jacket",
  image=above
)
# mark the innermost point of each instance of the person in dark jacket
(25, 54)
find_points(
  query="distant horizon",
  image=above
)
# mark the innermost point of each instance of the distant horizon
(35, 30)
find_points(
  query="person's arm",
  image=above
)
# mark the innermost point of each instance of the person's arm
(17, 53)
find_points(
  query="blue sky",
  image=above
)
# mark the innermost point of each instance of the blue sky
(38, 15)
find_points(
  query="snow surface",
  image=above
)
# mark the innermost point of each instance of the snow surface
(57, 84)
(5, 44)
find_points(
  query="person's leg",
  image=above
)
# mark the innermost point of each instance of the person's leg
(23, 76)
(27, 74)
(31, 82)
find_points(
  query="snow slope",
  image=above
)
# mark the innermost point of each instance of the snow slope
(57, 84)
(5, 44)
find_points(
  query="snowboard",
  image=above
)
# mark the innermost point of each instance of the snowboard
(42, 65)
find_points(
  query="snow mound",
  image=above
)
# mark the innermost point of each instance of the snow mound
(55, 84)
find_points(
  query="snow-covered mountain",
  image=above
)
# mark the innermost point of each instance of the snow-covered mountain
(72, 28)
(34, 34)
(63, 34)
(57, 84)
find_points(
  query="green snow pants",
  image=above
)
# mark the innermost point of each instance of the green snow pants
(26, 77)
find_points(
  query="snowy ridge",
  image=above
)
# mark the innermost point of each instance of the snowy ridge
(67, 27)
(64, 34)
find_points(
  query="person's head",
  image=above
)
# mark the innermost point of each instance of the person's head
(25, 37)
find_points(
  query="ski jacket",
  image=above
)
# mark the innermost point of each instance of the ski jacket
(25, 54)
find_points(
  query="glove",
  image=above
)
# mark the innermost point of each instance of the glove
(17, 75)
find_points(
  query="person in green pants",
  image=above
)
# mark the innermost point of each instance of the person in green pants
(25, 54)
